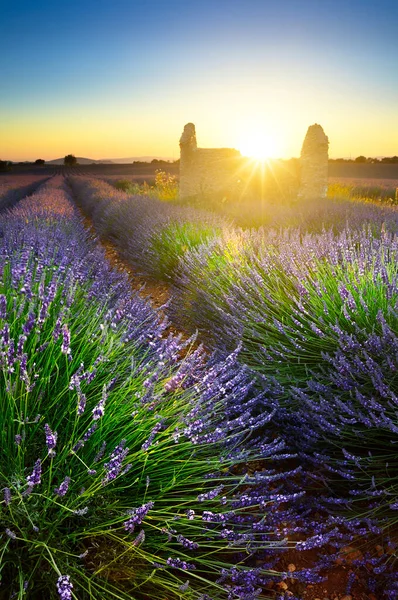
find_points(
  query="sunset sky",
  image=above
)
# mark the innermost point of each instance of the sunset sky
(119, 78)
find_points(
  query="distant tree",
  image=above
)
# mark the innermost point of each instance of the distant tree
(70, 160)
(40, 161)
(390, 160)
(5, 165)
(360, 159)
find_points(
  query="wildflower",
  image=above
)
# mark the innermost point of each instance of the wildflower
(35, 477)
(7, 496)
(64, 587)
(177, 563)
(29, 324)
(18, 439)
(11, 534)
(137, 516)
(90, 432)
(184, 586)
(210, 495)
(139, 539)
(114, 466)
(98, 411)
(187, 543)
(80, 512)
(65, 347)
(82, 404)
(51, 439)
(63, 488)
(3, 306)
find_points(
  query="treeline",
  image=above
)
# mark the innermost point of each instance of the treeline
(389, 160)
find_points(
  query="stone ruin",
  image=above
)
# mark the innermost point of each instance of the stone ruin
(314, 164)
(207, 170)
(204, 170)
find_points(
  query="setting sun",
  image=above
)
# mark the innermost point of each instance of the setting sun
(258, 146)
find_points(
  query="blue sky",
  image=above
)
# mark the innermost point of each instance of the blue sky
(121, 78)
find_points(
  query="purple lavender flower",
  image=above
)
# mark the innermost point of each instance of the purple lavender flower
(18, 439)
(137, 516)
(57, 328)
(63, 488)
(51, 439)
(184, 586)
(81, 405)
(35, 477)
(64, 587)
(177, 563)
(114, 466)
(65, 346)
(3, 306)
(98, 411)
(90, 432)
(140, 539)
(190, 545)
(29, 324)
(11, 534)
(7, 496)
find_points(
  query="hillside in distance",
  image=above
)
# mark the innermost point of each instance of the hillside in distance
(119, 161)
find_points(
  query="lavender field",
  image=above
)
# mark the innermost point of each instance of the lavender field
(138, 465)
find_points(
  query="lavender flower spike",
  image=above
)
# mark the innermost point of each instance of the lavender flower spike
(114, 466)
(7, 496)
(65, 347)
(51, 439)
(98, 411)
(138, 515)
(35, 477)
(63, 488)
(64, 587)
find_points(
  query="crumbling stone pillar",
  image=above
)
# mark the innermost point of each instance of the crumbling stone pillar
(188, 148)
(314, 164)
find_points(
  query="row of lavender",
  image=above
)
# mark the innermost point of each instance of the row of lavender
(15, 187)
(126, 471)
(316, 316)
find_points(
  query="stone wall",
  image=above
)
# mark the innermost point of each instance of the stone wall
(204, 171)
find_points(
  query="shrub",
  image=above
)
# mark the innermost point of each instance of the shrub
(127, 471)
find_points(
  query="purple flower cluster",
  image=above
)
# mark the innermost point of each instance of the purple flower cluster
(63, 488)
(35, 477)
(64, 587)
(137, 516)
(51, 440)
(114, 466)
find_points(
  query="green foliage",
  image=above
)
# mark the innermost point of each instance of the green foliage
(364, 193)
(144, 399)
(169, 245)
(165, 187)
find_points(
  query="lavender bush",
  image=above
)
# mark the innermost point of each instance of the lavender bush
(152, 235)
(13, 188)
(317, 319)
(127, 472)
